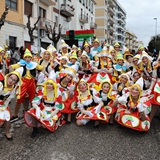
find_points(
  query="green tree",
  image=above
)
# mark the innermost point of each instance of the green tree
(154, 43)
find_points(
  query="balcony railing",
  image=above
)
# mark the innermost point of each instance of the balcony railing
(83, 18)
(67, 10)
(93, 25)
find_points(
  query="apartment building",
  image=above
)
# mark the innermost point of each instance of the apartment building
(75, 15)
(15, 33)
(71, 14)
(110, 18)
(11, 32)
(131, 41)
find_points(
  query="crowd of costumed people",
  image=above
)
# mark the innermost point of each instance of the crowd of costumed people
(94, 83)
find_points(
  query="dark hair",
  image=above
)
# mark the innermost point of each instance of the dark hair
(16, 48)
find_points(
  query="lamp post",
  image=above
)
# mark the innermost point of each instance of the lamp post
(155, 28)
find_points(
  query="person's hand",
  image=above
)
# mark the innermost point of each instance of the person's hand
(34, 105)
(54, 112)
(88, 113)
(122, 100)
(97, 109)
(140, 107)
(38, 112)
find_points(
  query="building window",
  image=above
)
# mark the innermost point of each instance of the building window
(56, 20)
(27, 8)
(42, 12)
(12, 4)
(12, 42)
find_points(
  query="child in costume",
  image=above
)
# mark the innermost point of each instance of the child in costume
(46, 61)
(67, 80)
(120, 67)
(133, 109)
(122, 85)
(146, 67)
(28, 78)
(46, 107)
(155, 87)
(107, 95)
(61, 64)
(8, 89)
(89, 104)
(85, 66)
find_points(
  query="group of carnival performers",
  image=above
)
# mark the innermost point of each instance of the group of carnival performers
(99, 84)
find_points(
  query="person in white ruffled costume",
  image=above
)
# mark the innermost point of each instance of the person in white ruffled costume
(8, 87)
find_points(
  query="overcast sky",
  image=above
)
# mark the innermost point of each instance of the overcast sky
(140, 18)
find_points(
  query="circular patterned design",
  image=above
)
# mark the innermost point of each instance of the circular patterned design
(131, 121)
(108, 109)
(145, 125)
(101, 116)
(158, 99)
(74, 106)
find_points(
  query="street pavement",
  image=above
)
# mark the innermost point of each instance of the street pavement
(70, 142)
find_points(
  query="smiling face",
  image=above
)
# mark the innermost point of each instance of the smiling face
(129, 59)
(2, 54)
(135, 92)
(135, 61)
(105, 87)
(83, 58)
(64, 50)
(136, 76)
(120, 62)
(82, 86)
(95, 44)
(68, 78)
(113, 53)
(104, 58)
(47, 55)
(49, 86)
(28, 58)
(73, 60)
(124, 79)
(12, 80)
(87, 49)
(145, 60)
(117, 48)
(63, 61)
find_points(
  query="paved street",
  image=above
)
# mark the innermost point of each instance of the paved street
(70, 142)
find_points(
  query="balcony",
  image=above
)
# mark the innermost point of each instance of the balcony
(48, 2)
(93, 25)
(119, 20)
(83, 18)
(111, 11)
(120, 13)
(111, 19)
(67, 10)
(111, 3)
(44, 22)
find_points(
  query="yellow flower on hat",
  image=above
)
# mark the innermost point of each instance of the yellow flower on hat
(27, 53)
(119, 56)
(141, 47)
(5, 46)
(86, 44)
(73, 55)
(96, 40)
(117, 44)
